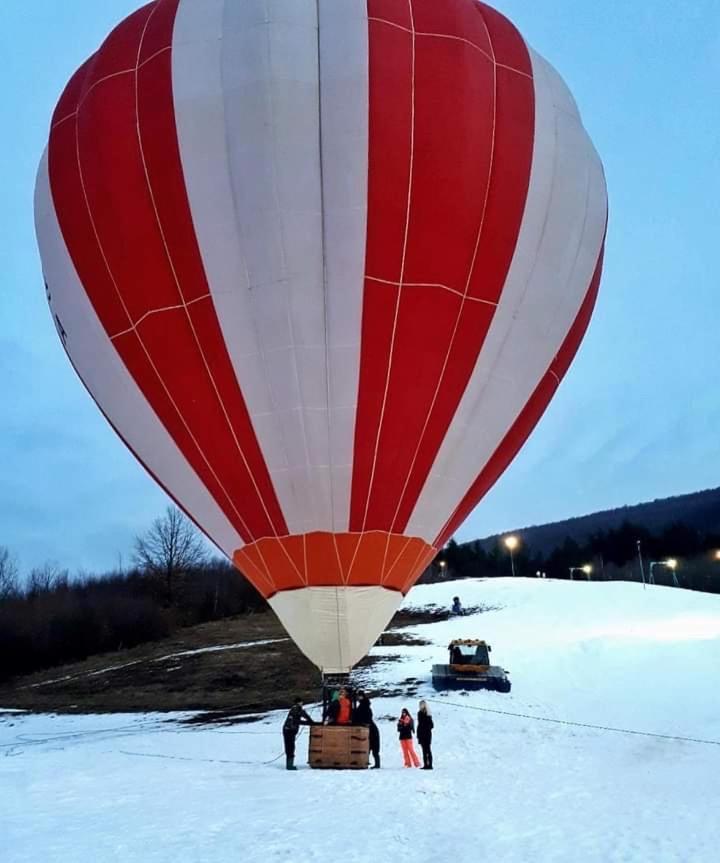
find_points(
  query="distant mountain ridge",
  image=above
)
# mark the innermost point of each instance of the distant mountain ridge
(700, 510)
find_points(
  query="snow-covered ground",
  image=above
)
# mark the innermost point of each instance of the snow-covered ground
(505, 788)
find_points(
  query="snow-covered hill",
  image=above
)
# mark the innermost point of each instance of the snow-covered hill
(506, 788)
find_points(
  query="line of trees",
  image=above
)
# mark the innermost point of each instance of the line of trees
(51, 618)
(613, 555)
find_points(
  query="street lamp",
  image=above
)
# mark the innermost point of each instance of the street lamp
(717, 554)
(642, 568)
(443, 566)
(586, 568)
(670, 563)
(511, 543)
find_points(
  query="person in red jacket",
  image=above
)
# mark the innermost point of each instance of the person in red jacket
(405, 728)
(340, 709)
(344, 716)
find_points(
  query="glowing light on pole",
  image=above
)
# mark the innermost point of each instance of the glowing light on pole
(671, 563)
(511, 543)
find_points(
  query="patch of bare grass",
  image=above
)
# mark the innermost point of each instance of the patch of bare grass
(219, 669)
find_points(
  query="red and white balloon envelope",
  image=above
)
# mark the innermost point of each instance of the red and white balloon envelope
(322, 266)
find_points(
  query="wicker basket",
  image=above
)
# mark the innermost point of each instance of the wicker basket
(343, 747)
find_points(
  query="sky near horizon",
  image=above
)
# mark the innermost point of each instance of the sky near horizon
(638, 414)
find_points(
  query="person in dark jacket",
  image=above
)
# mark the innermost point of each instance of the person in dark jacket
(295, 718)
(425, 727)
(363, 715)
(405, 728)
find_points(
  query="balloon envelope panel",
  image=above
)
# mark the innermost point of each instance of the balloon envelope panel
(322, 266)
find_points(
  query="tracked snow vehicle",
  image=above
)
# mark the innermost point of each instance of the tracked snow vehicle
(469, 668)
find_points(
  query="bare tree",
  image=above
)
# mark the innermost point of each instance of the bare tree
(9, 579)
(169, 549)
(46, 578)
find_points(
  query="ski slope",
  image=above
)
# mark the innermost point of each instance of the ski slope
(505, 788)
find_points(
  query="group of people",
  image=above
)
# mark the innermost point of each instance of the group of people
(341, 712)
(406, 728)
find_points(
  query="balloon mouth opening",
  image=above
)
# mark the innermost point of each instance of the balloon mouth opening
(323, 559)
(335, 626)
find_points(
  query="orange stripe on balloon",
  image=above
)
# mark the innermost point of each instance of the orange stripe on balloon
(376, 558)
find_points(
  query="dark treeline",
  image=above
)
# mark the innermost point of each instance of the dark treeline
(52, 619)
(55, 619)
(699, 510)
(612, 554)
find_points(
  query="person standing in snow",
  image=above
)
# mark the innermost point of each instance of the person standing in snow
(456, 606)
(363, 715)
(295, 718)
(425, 727)
(405, 728)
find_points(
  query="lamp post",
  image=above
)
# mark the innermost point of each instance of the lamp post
(586, 568)
(670, 563)
(511, 543)
(443, 566)
(642, 568)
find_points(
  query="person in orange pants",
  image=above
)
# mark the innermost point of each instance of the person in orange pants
(406, 727)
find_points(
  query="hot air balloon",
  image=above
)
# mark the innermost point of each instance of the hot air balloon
(322, 264)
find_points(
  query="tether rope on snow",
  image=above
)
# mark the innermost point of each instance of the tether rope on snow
(206, 760)
(33, 738)
(577, 724)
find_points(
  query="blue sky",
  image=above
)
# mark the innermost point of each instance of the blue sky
(637, 417)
